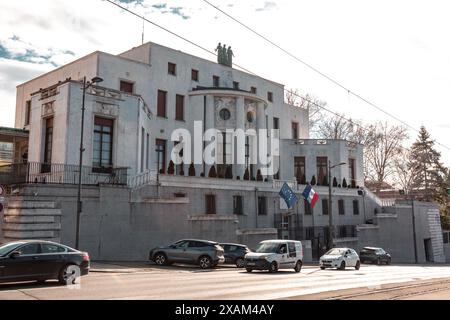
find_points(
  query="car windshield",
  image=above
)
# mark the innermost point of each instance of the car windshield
(336, 252)
(267, 248)
(5, 249)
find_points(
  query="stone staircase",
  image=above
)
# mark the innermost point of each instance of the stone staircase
(28, 218)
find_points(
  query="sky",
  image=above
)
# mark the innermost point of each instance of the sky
(395, 54)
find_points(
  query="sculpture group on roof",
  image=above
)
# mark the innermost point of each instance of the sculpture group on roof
(224, 55)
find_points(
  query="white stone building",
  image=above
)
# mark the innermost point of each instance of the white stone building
(146, 94)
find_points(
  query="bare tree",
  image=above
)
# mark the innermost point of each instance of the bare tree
(312, 103)
(403, 173)
(383, 147)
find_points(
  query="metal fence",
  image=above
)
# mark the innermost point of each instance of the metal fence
(35, 172)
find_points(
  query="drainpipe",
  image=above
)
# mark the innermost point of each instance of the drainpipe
(414, 232)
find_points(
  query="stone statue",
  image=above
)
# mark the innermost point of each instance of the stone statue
(224, 55)
(220, 56)
(230, 56)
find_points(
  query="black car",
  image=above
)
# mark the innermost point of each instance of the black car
(235, 254)
(41, 261)
(374, 255)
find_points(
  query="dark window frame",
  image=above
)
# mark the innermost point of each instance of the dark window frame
(195, 75)
(210, 204)
(270, 96)
(172, 68)
(341, 207)
(356, 211)
(124, 83)
(161, 111)
(160, 149)
(254, 90)
(325, 207)
(295, 130)
(27, 112)
(179, 107)
(322, 169)
(103, 123)
(216, 81)
(238, 205)
(262, 206)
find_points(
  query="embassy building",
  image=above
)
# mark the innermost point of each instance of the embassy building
(136, 195)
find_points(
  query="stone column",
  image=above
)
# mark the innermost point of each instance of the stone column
(260, 124)
(239, 169)
(209, 122)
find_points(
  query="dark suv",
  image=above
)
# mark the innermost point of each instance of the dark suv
(235, 254)
(206, 254)
(374, 255)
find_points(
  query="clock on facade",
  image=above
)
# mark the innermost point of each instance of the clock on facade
(225, 114)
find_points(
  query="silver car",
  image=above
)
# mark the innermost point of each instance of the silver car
(206, 254)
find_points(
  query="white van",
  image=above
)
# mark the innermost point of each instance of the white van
(273, 255)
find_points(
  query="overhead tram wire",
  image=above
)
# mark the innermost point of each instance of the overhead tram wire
(317, 71)
(245, 69)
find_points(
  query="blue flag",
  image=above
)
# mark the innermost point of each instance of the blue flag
(288, 195)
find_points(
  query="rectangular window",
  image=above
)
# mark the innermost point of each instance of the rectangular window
(308, 210)
(356, 207)
(309, 233)
(322, 170)
(103, 144)
(446, 237)
(236, 85)
(142, 149)
(172, 69)
(126, 86)
(342, 232)
(300, 169)
(194, 75)
(294, 130)
(325, 207)
(210, 203)
(341, 207)
(179, 168)
(262, 206)
(147, 166)
(161, 156)
(351, 171)
(48, 147)
(162, 103)
(179, 108)
(276, 123)
(216, 81)
(254, 90)
(270, 96)
(238, 205)
(27, 112)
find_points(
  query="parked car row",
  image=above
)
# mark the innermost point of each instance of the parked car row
(342, 258)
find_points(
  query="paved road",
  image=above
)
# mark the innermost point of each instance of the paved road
(176, 283)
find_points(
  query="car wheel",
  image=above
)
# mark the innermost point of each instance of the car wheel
(378, 261)
(298, 266)
(240, 263)
(388, 262)
(358, 265)
(322, 268)
(342, 267)
(205, 262)
(160, 259)
(69, 274)
(273, 267)
(249, 270)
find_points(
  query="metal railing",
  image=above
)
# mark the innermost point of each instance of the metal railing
(35, 172)
(142, 179)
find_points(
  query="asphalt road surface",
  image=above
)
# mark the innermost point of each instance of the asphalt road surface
(181, 283)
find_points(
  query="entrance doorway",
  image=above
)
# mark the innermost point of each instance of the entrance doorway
(428, 250)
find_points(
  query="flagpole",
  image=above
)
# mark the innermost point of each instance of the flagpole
(330, 208)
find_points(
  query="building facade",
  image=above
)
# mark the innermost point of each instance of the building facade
(147, 94)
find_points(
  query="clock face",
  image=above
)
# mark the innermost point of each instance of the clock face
(225, 114)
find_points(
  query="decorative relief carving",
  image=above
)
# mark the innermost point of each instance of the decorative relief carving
(107, 109)
(48, 108)
(250, 112)
(225, 112)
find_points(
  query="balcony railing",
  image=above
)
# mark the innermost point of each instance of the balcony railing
(35, 172)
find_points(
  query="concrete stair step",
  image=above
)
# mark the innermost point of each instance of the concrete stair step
(31, 204)
(30, 234)
(28, 219)
(31, 212)
(32, 227)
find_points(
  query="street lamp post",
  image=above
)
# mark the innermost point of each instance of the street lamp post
(86, 85)
(330, 207)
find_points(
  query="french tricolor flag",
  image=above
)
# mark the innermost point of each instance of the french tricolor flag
(310, 195)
